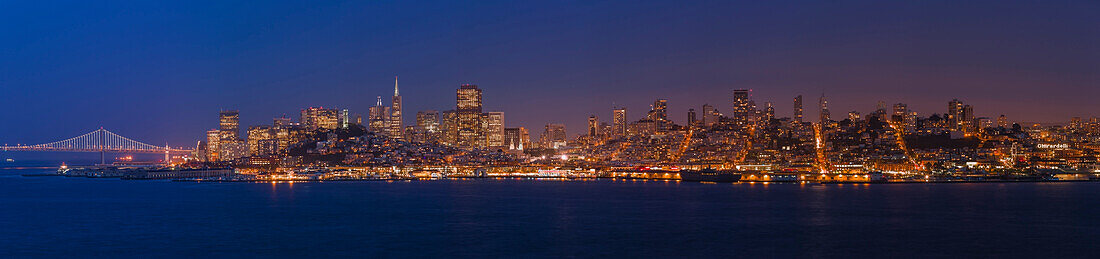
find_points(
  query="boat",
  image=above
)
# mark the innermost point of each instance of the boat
(710, 175)
(9, 160)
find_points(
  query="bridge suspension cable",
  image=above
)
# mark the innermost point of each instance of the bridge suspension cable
(100, 140)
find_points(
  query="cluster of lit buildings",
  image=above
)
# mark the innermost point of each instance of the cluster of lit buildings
(891, 138)
(466, 127)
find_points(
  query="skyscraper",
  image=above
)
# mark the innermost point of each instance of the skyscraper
(554, 136)
(825, 118)
(900, 112)
(754, 113)
(1002, 121)
(213, 145)
(448, 127)
(468, 111)
(798, 109)
(691, 118)
(966, 118)
(709, 117)
(230, 124)
(396, 124)
(741, 107)
(494, 129)
(231, 150)
(524, 137)
(954, 114)
(377, 118)
(282, 121)
(512, 139)
(427, 121)
(593, 127)
(229, 146)
(261, 140)
(320, 118)
(427, 127)
(345, 118)
(288, 134)
(199, 153)
(659, 111)
(618, 129)
(605, 131)
(769, 112)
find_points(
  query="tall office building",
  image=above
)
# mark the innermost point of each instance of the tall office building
(691, 118)
(427, 127)
(853, 116)
(900, 112)
(554, 136)
(213, 145)
(966, 118)
(377, 118)
(448, 127)
(661, 106)
(605, 131)
(798, 109)
(287, 134)
(396, 124)
(1002, 121)
(709, 117)
(659, 111)
(232, 150)
(468, 109)
(754, 113)
(230, 146)
(618, 129)
(427, 121)
(494, 129)
(262, 140)
(524, 137)
(512, 139)
(741, 107)
(593, 127)
(345, 119)
(824, 109)
(517, 138)
(769, 112)
(199, 153)
(954, 114)
(282, 121)
(320, 118)
(229, 124)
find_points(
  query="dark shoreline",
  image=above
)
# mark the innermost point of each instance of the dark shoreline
(581, 179)
(625, 179)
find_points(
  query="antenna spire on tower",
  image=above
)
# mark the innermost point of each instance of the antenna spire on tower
(395, 86)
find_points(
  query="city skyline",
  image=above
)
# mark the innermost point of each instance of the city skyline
(174, 76)
(565, 128)
(581, 128)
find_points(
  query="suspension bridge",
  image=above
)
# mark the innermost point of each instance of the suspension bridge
(100, 140)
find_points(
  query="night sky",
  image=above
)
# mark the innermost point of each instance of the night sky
(160, 72)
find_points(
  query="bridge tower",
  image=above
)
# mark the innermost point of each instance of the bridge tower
(102, 147)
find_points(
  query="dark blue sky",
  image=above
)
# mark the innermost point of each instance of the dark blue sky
(159, 71)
